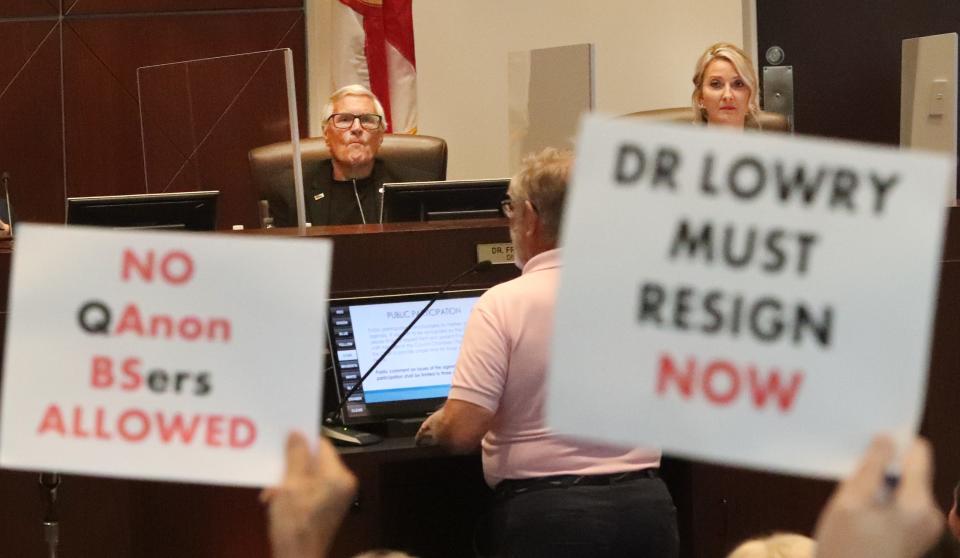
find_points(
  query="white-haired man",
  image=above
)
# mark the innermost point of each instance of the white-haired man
(345, 189)
(555, 496)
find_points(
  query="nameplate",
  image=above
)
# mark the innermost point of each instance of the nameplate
(166, 356)
(752, 299)
(496, 252)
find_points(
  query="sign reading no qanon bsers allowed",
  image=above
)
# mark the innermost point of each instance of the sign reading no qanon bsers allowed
(165, 356)
(747, 298)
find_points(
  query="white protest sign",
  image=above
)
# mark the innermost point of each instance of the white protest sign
(168, 356)
(752, 299)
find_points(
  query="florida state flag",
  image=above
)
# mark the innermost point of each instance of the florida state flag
(373, 46)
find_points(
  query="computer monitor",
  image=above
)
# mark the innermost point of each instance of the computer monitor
(414, 379)
(191, 211)
(445, 199)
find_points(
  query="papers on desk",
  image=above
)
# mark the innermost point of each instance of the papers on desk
(169, 356)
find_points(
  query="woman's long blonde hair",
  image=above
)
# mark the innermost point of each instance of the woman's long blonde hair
(733, 54)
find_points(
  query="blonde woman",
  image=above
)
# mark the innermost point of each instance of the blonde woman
(725, 88)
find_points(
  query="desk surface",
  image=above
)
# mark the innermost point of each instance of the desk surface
(382, 228)
(399, 447)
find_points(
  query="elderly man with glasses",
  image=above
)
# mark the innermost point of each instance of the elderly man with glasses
(345, 190)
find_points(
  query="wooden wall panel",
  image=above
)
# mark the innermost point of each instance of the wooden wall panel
(232, 103)
(846, 59)
(940, 422)
(19, 41)
(29, 8)
(846, 65)
(730, 505)
(31, 147)
(102, 127)
(86, 139)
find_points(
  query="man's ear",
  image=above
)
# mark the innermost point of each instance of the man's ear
(531, 219)
(326, 138)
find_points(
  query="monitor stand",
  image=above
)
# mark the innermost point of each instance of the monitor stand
(346, 436)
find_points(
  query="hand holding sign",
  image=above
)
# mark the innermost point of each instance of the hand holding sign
(308, 506)
(753, 299)
(904, 524)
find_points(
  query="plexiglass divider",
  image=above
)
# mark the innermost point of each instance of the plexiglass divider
(200, 118)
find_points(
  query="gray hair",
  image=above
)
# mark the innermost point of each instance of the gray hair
(543, 179)
(355, 89)
(777, 545)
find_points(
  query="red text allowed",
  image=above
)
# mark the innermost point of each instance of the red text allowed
(138, 425)
(722, 383)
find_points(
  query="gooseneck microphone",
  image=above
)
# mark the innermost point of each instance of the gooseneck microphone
(49, 484)
(356, 196)
(479, 267)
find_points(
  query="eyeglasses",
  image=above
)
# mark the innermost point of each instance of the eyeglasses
(506, 206)
(344, 120)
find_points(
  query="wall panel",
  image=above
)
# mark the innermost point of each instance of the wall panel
(19, 41)
(102, 127)
(31, 145)
(29, 8)
(91, 145)
(644, 53)
(847, 85)
(70, 125)
(847, 73)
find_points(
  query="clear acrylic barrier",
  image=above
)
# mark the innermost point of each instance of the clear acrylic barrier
(537, 116)
(200, 118)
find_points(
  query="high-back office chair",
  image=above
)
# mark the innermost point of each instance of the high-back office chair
(272, 165)
(769, 121)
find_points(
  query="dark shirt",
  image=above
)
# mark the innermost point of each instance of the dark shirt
(333, 202)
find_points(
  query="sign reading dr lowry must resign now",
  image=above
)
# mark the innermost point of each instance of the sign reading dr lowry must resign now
(164, 356)
(752, 299)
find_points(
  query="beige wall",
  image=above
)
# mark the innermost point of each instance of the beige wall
(645, 51)
(318, 60)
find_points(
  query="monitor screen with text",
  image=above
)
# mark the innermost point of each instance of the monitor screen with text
(414, 378)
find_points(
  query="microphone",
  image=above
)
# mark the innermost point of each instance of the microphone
(356, 195)
(49, 484)
(263, 208)
(6, 215)
(479, 267)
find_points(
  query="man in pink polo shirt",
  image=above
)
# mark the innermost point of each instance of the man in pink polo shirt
(555, 496)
